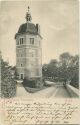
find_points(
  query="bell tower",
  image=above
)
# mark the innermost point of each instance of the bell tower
(29, 50)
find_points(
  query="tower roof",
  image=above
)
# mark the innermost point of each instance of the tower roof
(28, 27)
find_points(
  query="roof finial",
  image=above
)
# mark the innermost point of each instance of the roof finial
(28, 15)
(28, 8)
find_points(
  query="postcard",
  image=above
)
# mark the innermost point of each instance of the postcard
(39, 62)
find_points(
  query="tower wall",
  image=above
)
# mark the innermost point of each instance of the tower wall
(29, 56)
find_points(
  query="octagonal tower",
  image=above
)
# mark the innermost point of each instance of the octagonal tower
(29, 50)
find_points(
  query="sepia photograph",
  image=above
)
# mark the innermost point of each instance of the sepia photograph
(39, 49)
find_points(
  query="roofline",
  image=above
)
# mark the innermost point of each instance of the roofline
(27, 34)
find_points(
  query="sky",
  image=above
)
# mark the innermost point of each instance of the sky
(58, 21)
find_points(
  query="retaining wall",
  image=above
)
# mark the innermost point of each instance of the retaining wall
(72, 91)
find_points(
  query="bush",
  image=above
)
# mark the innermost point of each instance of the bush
(32, 82)
(8, 83)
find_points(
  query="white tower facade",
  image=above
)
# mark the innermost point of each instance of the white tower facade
(29, 50)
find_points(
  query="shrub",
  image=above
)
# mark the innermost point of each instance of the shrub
(8, 83)
(33, 82)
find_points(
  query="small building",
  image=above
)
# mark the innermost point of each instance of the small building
(29, 49)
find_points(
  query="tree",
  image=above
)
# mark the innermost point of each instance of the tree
(65, 70)
(8, 83)
(65, 60)
(74, 71)
(52, 68)
(69, 69)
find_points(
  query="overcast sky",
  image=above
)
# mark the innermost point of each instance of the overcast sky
(58, 21)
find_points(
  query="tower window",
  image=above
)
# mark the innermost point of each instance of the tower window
(21, 41)
(21, 65)
(32, 41)
(22, 76)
